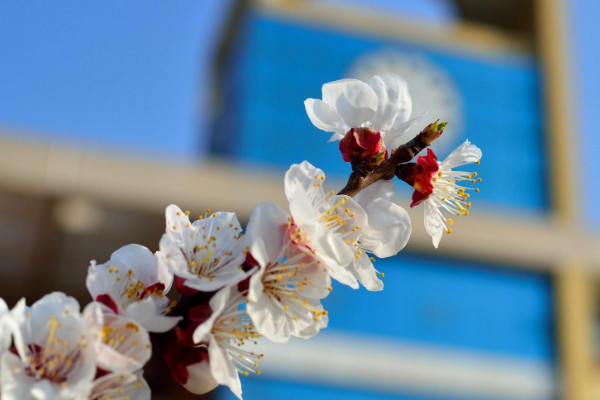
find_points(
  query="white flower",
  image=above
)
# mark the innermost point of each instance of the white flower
(439, 187)
(382, 104)
(226, 332)
(132, 283)
(122, 345)
(337, 228)
(120, 386)
(206, 253)
(284, 294)
(54, 359)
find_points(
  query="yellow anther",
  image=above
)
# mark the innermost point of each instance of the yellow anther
(381, 274)
(178, 213)
(449, 230)
(476, 190)
(187, 212)
(450, 221)
(477, 162)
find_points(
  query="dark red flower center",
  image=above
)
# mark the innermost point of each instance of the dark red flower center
(425, 172)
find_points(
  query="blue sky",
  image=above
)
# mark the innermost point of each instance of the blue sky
(126, 74)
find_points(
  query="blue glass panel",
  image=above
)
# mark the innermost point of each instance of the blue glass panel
(451, 304)
(267, 389)
(279, 63)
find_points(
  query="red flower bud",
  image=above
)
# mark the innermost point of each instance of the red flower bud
(363, 146)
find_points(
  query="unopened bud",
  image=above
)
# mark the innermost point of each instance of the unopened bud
(432, 131)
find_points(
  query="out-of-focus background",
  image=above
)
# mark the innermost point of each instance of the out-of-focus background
(111, 110)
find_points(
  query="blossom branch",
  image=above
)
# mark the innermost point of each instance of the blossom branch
(363, 176)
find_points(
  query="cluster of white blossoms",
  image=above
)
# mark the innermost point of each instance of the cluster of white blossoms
(53, 350)
(232, 286)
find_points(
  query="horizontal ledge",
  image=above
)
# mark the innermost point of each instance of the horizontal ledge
(362, 362)
(151, 184)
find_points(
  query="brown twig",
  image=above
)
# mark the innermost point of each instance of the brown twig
(361, 178)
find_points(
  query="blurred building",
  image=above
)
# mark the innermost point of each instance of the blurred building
(504, 309)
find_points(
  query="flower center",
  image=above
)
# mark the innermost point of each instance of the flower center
(285, 280)
(136, 290)
(53, 360)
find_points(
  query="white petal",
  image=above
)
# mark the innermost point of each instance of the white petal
(306, 327)
(142, 262)
(43, 390)
(307, 178)
(270, 319)
(266, 232)
(354, 100)
(176, 220)
(217, 304)
(200, 379)
(335, 137)
(150, 315)
(323, 117)
(395, 105)
(227, 276)
(343, 275)
(222, 368)
(15, 384)
(335, 247)
(366, 274)
(433, 223)
(120, 386)
(256, 287)
(399, 134)
(125, 347)
(389, 225)
(466, 153)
